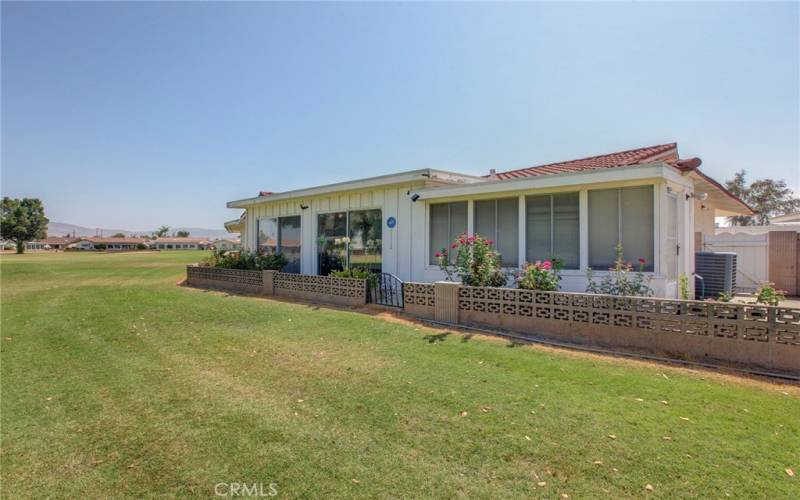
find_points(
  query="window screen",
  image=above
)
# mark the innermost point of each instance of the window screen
(498, 220)
(621, 217)
(448, 221)
(552, 229)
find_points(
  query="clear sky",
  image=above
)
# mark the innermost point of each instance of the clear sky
(133, 115)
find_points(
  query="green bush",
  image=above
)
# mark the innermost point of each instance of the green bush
(356, 272)
(141, 246)
(477, 263)
(100, 246)
(244, 260)
(621, 279)
(767, 294)
(540, 276)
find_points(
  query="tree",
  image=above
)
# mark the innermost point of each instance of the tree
(161, 232)
(768, 197)
(182, 234)
(22, 221)
(119, 235)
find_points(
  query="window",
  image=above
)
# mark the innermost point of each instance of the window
(498, 220)
(448, 221)
(552, 229)
(353, 238)
(281, 235)
(621, 217)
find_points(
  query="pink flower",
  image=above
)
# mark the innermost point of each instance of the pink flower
(438, 254)
(490, 242)
(471, 239)
(463, 241)
(546, 265)
(454, 245)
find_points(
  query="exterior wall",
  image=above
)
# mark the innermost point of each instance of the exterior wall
(405, 247)
(393, 201)
(704, 221)
(783, 260)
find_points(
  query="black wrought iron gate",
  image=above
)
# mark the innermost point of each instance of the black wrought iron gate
(386, 289)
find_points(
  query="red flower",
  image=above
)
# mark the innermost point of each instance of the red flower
(490, 242)
(438, 254)
(642, 261)
(454, 245)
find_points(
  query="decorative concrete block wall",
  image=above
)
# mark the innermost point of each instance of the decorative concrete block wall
(235, 280)
(419, 299)
(326, 289)
(753, 335)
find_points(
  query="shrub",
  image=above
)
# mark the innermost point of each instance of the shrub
(141, 246)
(244, 260)
(476, 262)
(683, 286)
(100, 246)
(619, 281)
(724, 297)
(767, 294)
(356, 272)
(540, 276)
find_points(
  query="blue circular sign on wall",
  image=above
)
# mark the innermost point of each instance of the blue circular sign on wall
(391, 222)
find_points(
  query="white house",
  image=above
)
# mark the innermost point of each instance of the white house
(224, 244)
(648, 200)
(178, 243)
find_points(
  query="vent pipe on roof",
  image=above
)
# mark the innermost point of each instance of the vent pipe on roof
(493, 173)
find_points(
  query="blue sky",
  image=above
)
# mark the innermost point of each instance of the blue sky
(134, 115)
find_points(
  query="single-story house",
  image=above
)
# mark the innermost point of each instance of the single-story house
(58, 242)
(224, 244)
(126, 243)
(176, 243)
(649, 200)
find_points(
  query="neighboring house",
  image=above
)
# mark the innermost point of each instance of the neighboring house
(59, 242)
(179, 243)
(224, 244)
(649, 200)
(113, 244)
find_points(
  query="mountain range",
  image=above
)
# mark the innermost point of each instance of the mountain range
(64, 229)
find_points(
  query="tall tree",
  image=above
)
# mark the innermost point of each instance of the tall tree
(768, 197)
(22, 221)
(161, 232)
(182, 234)
(119, 235)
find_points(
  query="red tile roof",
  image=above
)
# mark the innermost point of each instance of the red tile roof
(622, 158)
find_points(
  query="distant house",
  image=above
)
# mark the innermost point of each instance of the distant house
(179, 243)
(652, 202)
(58, 242)
(113, 244)
(224, 244)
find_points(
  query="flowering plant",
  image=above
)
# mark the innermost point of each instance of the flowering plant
(476, 262)
(539, 275)
(621, 279)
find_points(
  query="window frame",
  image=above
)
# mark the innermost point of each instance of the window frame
(279, 236)
(551, 200)
(346, 211)
(495, 237)
(429, 258)
(651, 266)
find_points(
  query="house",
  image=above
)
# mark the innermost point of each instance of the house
(176, 243)
(224, 244)
(58, 242)
(112, 244)
(648, 200)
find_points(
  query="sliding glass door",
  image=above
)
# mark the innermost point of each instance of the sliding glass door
(349, 239)
(281, 235)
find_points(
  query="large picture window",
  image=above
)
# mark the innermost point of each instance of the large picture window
(448, 221)
(281, 235)
(351, 238)
(498, 220)
(553, 229)
(621, 217)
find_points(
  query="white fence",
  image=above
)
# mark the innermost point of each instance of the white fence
(752, 256)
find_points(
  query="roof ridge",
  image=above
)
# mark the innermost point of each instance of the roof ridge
(661, 148)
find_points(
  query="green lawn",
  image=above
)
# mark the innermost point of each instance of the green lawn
(117, 382)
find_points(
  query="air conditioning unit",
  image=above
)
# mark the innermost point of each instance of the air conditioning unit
(718, 273)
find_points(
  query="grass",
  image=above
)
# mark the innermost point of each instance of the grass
(117, 382)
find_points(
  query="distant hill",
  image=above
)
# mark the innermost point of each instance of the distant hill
(63, 229)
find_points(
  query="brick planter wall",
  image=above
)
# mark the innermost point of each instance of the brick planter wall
(753, 335)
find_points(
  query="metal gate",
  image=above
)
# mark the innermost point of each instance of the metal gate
(386, 289)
